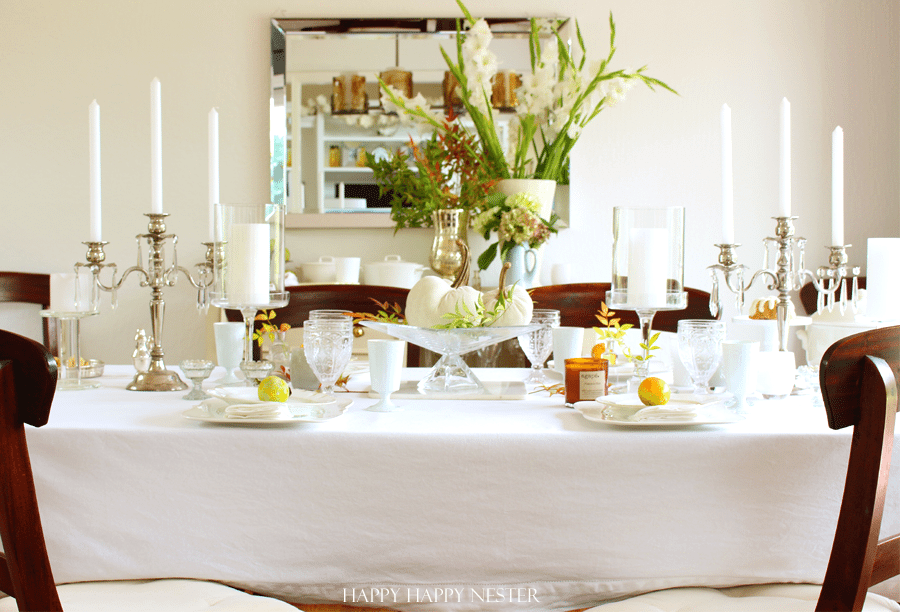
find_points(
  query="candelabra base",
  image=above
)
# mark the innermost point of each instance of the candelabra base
(158, 380)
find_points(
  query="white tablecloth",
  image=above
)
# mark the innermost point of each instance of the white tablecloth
(523, 504)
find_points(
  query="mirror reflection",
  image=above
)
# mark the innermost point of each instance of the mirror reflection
(326, 113)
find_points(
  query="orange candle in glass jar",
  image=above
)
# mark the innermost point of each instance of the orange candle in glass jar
(586, 379)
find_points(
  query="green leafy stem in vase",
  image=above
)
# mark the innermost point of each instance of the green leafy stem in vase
(615, 331)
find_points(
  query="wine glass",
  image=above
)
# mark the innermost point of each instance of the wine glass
(328, 344)
(700, 349)
(537, 344)
(197, 370)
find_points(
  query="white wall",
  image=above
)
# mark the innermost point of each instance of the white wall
(836, 61)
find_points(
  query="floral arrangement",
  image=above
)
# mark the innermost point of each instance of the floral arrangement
(559, 97)
(516, 221)
(446, 171)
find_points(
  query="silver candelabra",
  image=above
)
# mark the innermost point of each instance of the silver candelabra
(156, 275)
(786, 275)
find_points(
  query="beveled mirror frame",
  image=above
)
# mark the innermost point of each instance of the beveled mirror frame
(285, 107)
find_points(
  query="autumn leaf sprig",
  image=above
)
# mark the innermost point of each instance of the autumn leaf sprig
(266, 328)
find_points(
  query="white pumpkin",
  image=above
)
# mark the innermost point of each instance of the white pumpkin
(519, 305)
(432, 296)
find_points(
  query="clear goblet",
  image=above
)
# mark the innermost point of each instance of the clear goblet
(197, 370)
(700, 349)
(538, 344)
(327, 345)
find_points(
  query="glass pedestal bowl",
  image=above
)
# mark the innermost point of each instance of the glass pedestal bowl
(451, 374)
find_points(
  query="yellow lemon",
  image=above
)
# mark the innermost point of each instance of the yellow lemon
(274, 389)
(654, 391)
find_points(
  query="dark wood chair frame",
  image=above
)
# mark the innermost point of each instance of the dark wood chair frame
(30, 288)
(858, 376)
(578, 303)
(27, 385)
(353, 298)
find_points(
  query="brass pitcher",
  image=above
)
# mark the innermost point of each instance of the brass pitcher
(447, 257)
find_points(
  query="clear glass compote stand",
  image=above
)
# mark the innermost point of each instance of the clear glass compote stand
(451, 374)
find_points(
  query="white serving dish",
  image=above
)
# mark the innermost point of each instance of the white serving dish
(392, 272)
(322, 271)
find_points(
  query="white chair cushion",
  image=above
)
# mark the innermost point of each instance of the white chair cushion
(755, 598)
(158, 596)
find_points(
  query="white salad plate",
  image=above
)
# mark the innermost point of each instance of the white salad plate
(213, 411)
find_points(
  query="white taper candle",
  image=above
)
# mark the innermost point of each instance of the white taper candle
(155, 148)
(213, 170)
(784, 199)
(727, 178)
(837, 187)
(94, 146)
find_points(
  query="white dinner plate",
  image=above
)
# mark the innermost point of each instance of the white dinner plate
(621, 410)
(213, 411)
(250, 395)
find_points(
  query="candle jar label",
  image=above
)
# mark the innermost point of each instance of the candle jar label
(591, 385)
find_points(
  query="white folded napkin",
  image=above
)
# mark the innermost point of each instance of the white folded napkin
(267, 410)
(665, 413)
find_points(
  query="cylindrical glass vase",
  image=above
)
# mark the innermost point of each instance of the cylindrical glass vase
(249, 264)
(648, 259)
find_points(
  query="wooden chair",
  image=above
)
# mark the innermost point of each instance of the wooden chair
(30, 288)
(353, 298)
(577, 304)
(809, 296)
(27, 385)
(858, 376)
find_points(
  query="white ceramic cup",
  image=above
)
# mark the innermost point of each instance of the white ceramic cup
(775, 373)
(385, 365)
(567, 343)
(347, 269)
(739, 366)
(229, 348)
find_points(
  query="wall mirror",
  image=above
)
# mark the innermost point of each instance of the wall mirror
(326, 113)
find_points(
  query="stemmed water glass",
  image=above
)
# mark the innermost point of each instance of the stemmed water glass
(538, 344)
(700, 349)
(197, 370)
(327, 344)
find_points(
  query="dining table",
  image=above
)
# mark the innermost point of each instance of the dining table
(508, 500)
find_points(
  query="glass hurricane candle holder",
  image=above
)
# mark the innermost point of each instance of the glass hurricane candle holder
(249, 265)
(648, 263)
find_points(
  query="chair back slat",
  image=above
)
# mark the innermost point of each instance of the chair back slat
(840, 372)
(30, 288)
(27, 385)
(579, 303)
(859, 386)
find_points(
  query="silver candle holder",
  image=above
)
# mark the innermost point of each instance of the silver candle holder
(788, 274)
(156, 275)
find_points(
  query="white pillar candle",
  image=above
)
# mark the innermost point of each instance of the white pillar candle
(648, 267)
(247, 254)
(155, 148)
(70, 292)
(94, 146)
(837, 187)
(784, 193)
(882, 289)
(213, 170)
(727, 179)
